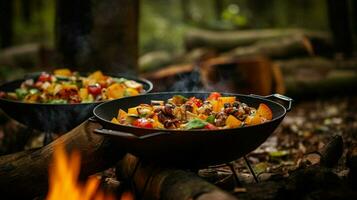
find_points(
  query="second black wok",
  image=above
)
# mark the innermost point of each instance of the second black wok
(56, 118)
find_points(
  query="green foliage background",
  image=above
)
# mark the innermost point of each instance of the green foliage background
(163, 22)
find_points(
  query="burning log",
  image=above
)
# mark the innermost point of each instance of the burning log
(28, 171)
(154, 182)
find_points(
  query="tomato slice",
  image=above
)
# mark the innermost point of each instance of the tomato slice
(194, 100)
(210, 126)
(95, 89)
(44, 77)
(214, 96)
(142, 123)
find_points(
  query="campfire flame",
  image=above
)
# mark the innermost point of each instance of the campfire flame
(64, 184)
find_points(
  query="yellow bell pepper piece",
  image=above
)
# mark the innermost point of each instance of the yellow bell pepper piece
(254, 120)
(83, 93)
(115, 91)
(133, 111)
(115, 121)
(122, 114)
(218, 104)
(97, 75)
(62, 72)
(233, 122)
(215, 106)
(131, 92)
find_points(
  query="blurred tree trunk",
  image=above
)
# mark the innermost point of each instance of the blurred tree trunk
(262, 11)
(186, 15)
(354, 22)
(338, 13)
(73, 26)
(26, 8)
(6, 23)
(280, 13)
(218, 7)
(115, 35)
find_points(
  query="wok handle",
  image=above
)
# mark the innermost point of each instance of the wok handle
(103, 131)
(278, 97)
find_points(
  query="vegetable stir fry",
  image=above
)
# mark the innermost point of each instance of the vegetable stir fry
(67, 87)
(179, 112)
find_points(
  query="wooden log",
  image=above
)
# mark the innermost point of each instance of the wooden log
(282, 47)
(225, 40)
(26, 56)
(28, 171)
(154, 60)
(337, 82)
(153, 182)
(303, 75)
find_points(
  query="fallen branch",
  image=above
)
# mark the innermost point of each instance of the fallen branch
(283, 47)
(225, 40)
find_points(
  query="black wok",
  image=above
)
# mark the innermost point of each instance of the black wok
(56, 118)
(188, 148)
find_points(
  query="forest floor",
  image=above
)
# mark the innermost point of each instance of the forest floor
(307, 128)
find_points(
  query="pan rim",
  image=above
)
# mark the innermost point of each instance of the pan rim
(191, 130)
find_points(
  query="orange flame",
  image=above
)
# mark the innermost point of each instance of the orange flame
(64, 184)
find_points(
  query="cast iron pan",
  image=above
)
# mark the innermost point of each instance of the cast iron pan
(188, 148)
(55, 118)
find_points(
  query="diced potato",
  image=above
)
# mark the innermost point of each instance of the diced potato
(233, 122)
(222, 100)
(115, 91)
(254, 120)
(133, 111)
(131, 92)
(215, 106)
(83, 93)
(62, 72)
(122, 114)
(97, 75)
(115, 121)
(264, 111)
